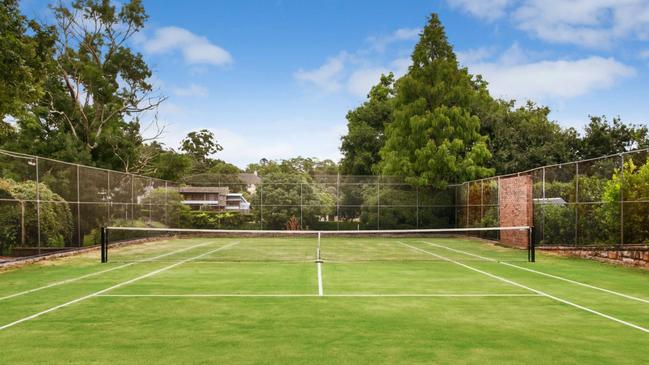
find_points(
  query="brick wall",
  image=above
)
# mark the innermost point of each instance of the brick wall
(515, 208)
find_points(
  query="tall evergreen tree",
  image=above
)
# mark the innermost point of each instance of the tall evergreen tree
(434, 137)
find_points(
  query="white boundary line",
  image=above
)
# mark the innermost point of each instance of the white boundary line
(544, 274)
(124, 283)
(66, 281)
(629, 324)
(320, 288)
(448, 295)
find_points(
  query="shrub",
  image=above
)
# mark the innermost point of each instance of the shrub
(19, 220)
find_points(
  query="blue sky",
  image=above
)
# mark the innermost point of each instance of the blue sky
(275, 79)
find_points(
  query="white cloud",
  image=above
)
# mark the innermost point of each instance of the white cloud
(356, 72)
(484, 9)
(196, 50)
(586, 23)
(361, 81)
(403, 34)
(475, 55)
(191, 90)
(559, 79)
(326, 76)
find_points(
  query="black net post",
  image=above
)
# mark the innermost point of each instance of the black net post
(531, 251)
(104, 245)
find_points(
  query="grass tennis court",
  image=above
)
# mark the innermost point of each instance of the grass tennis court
(367, 300)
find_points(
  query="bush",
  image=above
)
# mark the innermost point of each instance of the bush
(94, 236)
(215, 220)
(19, 220)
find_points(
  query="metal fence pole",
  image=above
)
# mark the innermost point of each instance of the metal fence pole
(576, 203)
(338, 201)
(261, 205)
(378, 202)
(417, 209)
(301, 207)
(38, 207)
(543, 207)
(78, 209)
(622, 200)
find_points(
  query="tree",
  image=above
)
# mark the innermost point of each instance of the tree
(365, 130)
(524, 138)
(103, 82)
(25, 60)
(434, 137)
(602, 137)
(199, 146)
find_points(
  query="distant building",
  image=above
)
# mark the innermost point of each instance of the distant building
(212, 198)
(251, 180)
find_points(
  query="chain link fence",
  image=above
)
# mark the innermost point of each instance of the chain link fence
(48, 205)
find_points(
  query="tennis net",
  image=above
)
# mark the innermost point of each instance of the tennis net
(131, 244)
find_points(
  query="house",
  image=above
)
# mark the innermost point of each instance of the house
(213, 198)
(235, 202)
(251, 180)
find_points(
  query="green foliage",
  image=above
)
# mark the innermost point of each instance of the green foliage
(166, 206)
(171, 166)
(524, 138)
(215, 220)
(199, 146)
(631, 185)
(282, 194)
(296, 165)
(22, 215)
(366, 124)
(25, 60)
(94, 236)
(434, 138)
(602, 137)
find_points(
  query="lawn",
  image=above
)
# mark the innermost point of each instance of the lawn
(385, 301)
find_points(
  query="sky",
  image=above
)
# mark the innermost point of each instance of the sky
(275, 79)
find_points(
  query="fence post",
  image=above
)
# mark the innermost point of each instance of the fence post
(78, 208)
(622, 200)
(577, 203)
(38, 206)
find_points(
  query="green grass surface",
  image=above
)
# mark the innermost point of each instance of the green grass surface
(386, 301)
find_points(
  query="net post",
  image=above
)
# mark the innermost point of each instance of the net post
(531, 250)
(104, 245)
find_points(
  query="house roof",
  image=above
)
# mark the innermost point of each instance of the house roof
(223, 190)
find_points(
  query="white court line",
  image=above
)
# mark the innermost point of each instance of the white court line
(67, 281)
(460, 295)
(545, 274)
(564, 301)
(124, 283)
(320, 289)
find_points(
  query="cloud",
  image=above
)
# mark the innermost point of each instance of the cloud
(474, 55)
(196, 50)
(403, 34)
(326, 76)
(191, 90)
(356, 72)
(361, 81)
(586, 23)
(489, 10)
(557, 79)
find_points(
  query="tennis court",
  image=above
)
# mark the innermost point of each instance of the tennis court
(340, 298)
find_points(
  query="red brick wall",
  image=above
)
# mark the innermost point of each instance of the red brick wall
(515, 201)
